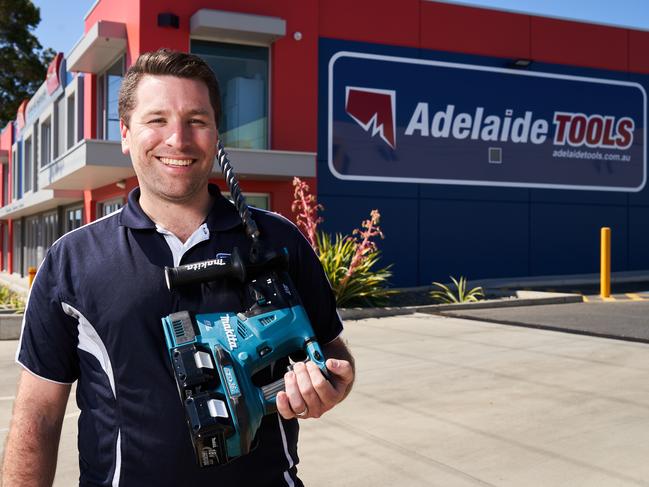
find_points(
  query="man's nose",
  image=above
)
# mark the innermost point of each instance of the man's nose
(178, 135)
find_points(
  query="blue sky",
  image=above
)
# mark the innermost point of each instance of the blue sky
(62, 20)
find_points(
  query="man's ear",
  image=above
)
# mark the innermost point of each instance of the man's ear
(124, 132)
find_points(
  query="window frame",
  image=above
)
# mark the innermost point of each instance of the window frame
(46, 149)
(101, 205)
(59, 132)
(101, 96)
(67, 210)
(15, 162)
(27, 163)
(247, 194)
(269, 78)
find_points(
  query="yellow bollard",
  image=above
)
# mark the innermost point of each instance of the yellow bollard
(605, 263)
(31, 273)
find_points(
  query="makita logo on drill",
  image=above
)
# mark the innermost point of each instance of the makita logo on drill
(373, 109)
(230, 335)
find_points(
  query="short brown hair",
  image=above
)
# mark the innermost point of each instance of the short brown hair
(171, 63)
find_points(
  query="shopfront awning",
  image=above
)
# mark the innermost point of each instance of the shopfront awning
(98, 48)
(236, 27)
(88, 165)
(270, 164)
(37, 202)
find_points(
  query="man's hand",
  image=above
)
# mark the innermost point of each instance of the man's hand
(308, 393)
(33, 440)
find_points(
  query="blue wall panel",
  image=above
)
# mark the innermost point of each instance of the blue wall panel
(479, 193)
(399, 225)
(565, 239)
(578, 197)
(472, 239)
(329, 185)
(639, 237)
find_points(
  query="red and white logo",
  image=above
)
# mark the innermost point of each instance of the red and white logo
(373, 109)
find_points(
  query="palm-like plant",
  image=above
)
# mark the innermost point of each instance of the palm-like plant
(446, 294)
(364, 285)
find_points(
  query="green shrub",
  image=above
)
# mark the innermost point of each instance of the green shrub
(365, 285)
(11, 300)
(348, 261)
(446, 294)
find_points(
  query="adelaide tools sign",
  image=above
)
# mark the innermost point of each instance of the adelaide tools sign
(416, 120)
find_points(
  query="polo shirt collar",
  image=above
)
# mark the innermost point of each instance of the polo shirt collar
(222, 216)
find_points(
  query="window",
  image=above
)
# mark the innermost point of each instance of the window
(242, 72)
(59, 127)
(5, 247)
(33, 184)
(50, 224)
(32, 239)
(28, 164)
(5, 185)
(73, 218)
(258, 200)
(109, 206)
(46, 141)
(71, 119)
(17, 247)
(15, 183)
(108, 85)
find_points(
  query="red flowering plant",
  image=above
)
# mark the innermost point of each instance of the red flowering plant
(348, 261)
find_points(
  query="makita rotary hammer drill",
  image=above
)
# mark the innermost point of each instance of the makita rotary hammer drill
(215, 355)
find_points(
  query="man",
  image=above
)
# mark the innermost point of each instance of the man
(95, 308)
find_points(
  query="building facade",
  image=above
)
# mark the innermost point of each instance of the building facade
(494, 144)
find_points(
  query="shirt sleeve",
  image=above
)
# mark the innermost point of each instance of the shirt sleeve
(315, 291)
(48, 341)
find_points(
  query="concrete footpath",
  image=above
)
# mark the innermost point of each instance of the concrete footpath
(442, 401)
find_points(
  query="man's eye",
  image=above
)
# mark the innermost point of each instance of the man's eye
(197, 121)
(156, 121)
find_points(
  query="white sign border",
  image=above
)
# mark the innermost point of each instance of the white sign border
(473, 67)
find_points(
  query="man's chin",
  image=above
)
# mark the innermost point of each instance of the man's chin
(183, 194)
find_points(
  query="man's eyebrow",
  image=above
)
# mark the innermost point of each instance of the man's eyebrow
(154, 112)
(195, 111)
(198, 111)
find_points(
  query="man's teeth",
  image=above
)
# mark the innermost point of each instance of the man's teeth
(176, 162)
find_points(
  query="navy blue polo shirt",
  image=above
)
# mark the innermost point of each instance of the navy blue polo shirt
(94, 316)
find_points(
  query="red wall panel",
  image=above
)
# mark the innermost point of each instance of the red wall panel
(638, 51)
(293, 63)
(281, 192)
(6, 141)
(294, 81)
(564, 42)
(379, 21)
(472, 30)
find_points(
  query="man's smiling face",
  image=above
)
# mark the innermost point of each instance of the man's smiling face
(171, 138)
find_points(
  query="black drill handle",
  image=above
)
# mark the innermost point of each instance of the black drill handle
(207, 270)
(269, 391)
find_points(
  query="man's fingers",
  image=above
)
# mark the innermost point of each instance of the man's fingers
(328, 395)
(307, 390)
(296, 400)
(343, 373)
(283, 406)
